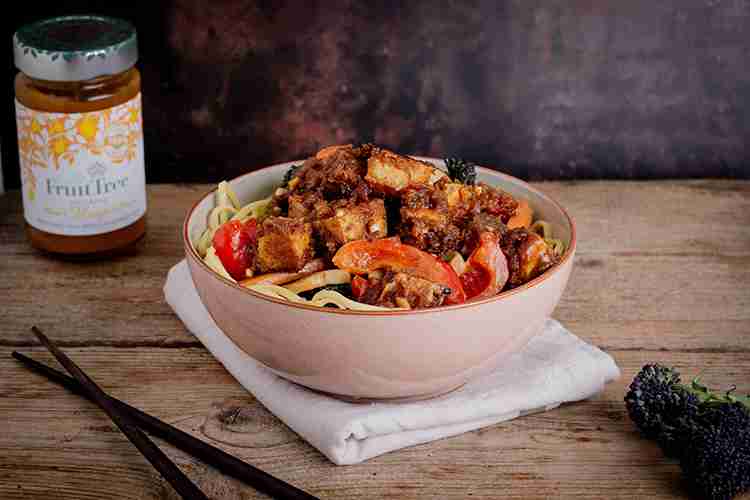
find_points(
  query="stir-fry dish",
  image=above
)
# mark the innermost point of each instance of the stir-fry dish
(363, 228)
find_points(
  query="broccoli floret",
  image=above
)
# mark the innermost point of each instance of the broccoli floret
(461, 171)
(290, 174)
(709, 432)
(716, 459)
(660, 406)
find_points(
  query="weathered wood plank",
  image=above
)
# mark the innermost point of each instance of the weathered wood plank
(661, 276)
(117, 301)
(701, 217)
(693, 288)
(664, 260)
(649, 335)
(57, 445)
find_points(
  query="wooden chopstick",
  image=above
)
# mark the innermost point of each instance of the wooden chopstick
(216, 457)
(169, 471)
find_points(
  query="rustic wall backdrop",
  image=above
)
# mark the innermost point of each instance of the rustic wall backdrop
(539, 88)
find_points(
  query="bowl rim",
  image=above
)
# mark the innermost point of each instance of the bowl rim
(192, 253)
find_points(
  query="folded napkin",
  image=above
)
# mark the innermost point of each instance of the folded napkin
(555, 367)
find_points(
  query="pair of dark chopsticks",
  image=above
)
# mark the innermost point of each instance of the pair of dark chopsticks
(130, 420)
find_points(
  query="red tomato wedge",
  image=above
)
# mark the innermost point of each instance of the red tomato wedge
(486, 270)
(359, 286)
(362, 256)
(234, 243)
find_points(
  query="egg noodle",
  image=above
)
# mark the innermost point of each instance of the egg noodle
(544, 229)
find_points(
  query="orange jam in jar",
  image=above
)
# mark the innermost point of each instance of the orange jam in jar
(80, 137)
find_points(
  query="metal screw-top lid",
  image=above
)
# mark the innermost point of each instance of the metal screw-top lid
(75, 48)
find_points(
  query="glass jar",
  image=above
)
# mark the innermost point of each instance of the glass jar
(80, 137)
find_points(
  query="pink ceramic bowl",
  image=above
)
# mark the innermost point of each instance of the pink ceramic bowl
(380, 355)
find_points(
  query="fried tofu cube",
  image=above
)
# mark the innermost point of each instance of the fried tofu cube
(491, 200)
(388, 172)
(460, 195)
(528, 255)
(428, 216)
(310, 206)
(284, 244)
(358, 222)
(429, 230)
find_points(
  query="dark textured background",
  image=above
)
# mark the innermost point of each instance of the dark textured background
(541, 89)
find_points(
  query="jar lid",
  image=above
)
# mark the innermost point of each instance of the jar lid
(75, 48)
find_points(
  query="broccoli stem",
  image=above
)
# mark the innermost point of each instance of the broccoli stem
(708, 397)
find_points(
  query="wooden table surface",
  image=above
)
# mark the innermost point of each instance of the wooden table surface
(661, 274)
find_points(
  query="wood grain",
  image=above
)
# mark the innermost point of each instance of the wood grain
(661, 276)
(57, 439)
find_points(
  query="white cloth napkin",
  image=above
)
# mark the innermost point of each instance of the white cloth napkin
(555, 367)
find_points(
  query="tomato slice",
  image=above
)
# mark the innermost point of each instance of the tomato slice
(234, 243)
(486, 270)
(362, 256)
(359, 286)
(475, 280)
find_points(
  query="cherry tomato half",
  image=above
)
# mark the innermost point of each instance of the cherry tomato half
(234, 243)
(359, 286)
(486, 270)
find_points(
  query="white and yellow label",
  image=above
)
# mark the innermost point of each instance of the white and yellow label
(82, 173)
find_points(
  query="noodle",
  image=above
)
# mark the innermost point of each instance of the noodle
(278, 292)
(219, 216)
(556, 244)
(201, 246)
(254, 210)
(319, 280)
(544, 229)
(320, 299)
(226, 194)
(214, 262)
(330, 297)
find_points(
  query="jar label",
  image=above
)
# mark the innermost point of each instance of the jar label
(82, 173)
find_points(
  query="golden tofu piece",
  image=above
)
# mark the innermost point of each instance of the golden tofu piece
(429, 230)
(528, 255)
(428, 216)
(391, 173)
(461, 195)
(366, 221)
(310, 206)
(284, 244)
